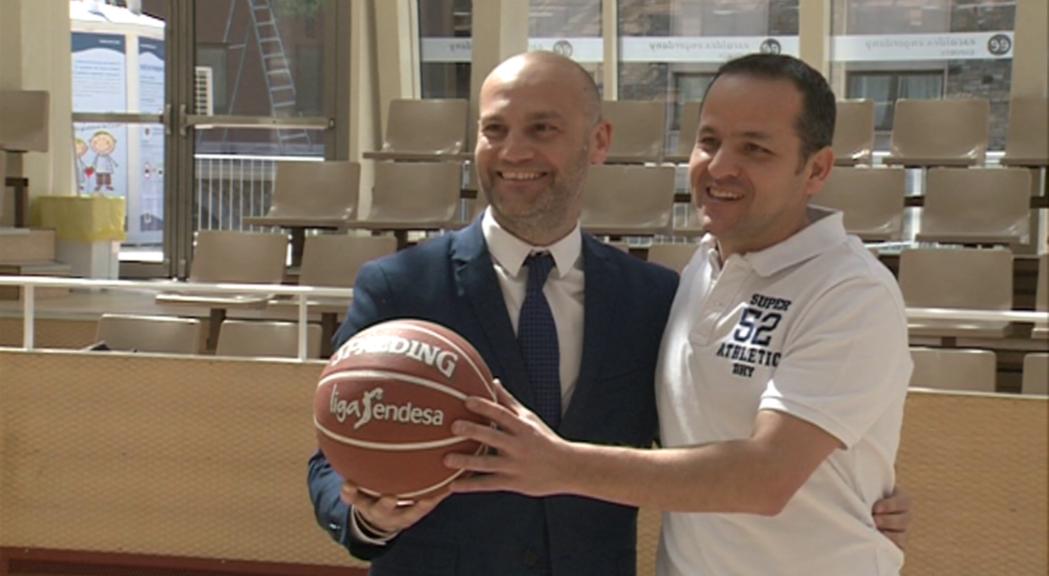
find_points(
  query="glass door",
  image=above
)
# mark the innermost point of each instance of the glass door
(263, 77)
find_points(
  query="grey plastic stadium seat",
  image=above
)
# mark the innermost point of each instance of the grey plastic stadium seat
(413, 196)
(161, 334)
(940, 132)
(637, 130)
(955, 369)
(334, 259)
(854, 132)
(957, 278)
(976, 206)
(232, 258)
(312, 195)
(687, 134)
(1036, 373)
(424, 130)
(25, 120)
(1027, 143)
(220, 256)
(1041, 298)
(674, 256)
(625, 200)
(872, 200)
(262, 339)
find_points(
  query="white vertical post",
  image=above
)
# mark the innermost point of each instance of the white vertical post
(610, 44)
(302, 326)
(27, 316)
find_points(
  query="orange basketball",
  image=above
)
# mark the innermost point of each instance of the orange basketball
(386, 401)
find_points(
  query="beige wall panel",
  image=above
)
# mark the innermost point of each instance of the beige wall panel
(147, 455)
(975, 466)
(49, 333)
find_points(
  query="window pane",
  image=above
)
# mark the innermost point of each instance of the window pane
(571, 28)
(564, 18)
(445, 30)
(925, 49)
(669, 49)
(260, 59)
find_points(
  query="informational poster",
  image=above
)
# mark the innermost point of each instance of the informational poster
(150, 212)
(99, 72)
(100, 85)
(149, 209)
(150, 76)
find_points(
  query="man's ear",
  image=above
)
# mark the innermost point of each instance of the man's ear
(600, 142)
(818, 170)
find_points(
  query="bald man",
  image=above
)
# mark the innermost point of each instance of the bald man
(539, 130)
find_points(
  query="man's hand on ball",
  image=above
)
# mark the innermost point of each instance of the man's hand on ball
(526, 456)
(387, 515)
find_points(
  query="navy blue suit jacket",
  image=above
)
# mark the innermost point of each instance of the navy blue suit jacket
(450, 280)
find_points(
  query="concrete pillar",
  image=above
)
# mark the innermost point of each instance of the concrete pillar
(814, 34)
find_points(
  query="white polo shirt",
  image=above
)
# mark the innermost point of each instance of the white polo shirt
(813, 327)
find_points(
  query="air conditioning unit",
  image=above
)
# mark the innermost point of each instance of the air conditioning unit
(203, 91)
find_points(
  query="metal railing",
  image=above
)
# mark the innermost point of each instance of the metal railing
(230, 188)
(301, 295)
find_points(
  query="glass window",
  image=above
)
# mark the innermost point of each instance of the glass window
(571, 28)
(262, 60)
(670, 49)
(890, 49)
(445, 29)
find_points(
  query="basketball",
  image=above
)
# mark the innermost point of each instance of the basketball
(386, 402)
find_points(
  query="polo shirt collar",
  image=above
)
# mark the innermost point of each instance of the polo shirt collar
(826, 229)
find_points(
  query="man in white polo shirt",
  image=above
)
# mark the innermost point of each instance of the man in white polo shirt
(783, 368)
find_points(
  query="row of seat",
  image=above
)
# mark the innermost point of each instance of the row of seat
(971, 206)
(950, 132)
(969, 370)
(329, 260)
(177, 335)
(961, 205)
(961, 278)
(974, 370)
(619, 199)
(965, 278)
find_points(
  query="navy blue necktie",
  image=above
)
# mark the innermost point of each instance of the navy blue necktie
(537, 338)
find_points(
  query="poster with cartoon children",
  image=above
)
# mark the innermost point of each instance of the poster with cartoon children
(101, 158)
(103, 144)
(82, 171)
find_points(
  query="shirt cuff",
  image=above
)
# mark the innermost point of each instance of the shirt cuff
(361, 531)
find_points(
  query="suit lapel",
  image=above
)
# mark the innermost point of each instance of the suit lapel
(599, 300)
(475, 279)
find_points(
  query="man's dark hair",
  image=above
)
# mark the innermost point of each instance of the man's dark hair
(815, 125)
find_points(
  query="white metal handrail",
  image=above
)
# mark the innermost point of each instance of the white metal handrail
(300, 293)
(1025, 316)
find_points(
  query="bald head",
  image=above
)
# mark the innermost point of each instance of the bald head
(548, 67)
